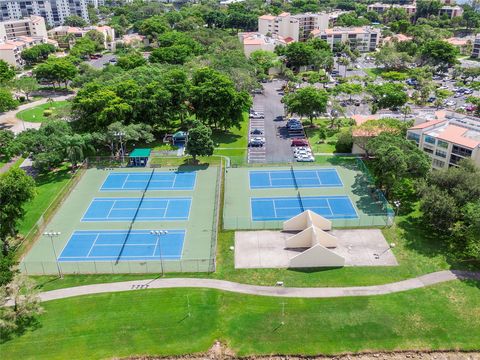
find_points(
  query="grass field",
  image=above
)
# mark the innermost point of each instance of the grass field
(47, 187)
(233, 143)
(36, 114)
(445, 316)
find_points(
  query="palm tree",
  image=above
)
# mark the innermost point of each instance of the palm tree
(76, 146)
(405, 110)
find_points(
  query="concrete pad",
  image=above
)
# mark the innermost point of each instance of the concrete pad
(266, 249)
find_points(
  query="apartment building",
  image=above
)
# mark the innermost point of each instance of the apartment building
(448, 140)
(256, 41)
(33, 26)
(364, 39)
(382, 8)
(53, 11)
(60, 32)
(450, 10)
(296, 27)
(10, 50)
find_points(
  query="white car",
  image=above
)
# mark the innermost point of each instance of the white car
(306, 159)
(259, 139)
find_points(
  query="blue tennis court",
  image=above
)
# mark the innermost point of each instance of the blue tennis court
(128, 209)
(141, 180)
(283, 208)
(113, 245)
(267, 179)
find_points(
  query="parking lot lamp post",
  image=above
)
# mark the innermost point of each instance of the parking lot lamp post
(51, 235)
(158, 234)
(120, 134)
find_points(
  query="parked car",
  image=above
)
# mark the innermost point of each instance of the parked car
(256, 132)
(254, 143)
(431, 99)
(307, 158)
(299, 142)
(295, 127)
(257, 116)
(470, 107)
(113, 60)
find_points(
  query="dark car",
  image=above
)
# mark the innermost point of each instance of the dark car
(299, 142)
(256, 132)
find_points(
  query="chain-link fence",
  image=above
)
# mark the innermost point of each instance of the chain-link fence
(121, 267)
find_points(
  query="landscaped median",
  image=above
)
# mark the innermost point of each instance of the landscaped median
(43, 112)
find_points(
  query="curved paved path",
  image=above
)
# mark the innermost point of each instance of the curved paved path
(308, 292)
(9, 120)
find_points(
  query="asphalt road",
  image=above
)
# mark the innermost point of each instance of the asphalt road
(100, 63)
(277, 147)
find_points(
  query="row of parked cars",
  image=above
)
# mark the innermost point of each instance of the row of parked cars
(257, 138)
(301, 148)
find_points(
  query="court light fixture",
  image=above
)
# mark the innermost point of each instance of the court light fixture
(158, 234)
(51, 235)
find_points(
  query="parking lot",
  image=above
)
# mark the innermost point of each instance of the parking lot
(276, 146)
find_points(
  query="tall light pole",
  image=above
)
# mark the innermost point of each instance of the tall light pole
(158, 234)
(120, 134)
(51, 235)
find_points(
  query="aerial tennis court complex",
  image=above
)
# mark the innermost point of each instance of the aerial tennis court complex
(263, 199)
(106, 223)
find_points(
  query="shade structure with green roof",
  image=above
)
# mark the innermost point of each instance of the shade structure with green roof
(139, 157)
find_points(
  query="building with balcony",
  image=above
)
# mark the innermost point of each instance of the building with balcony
(476, 47)
(383, 8)
(297, 27)
(59, 33)
(449, 139)
(449, 10)
(364, 39)
(33, 26)
(53, 11)
(256, 41)
(10, 50)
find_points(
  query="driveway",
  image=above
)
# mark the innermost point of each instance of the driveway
(8, 120)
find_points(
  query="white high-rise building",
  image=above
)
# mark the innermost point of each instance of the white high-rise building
(53, 11)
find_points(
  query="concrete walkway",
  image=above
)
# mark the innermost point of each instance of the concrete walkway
(309, 292)
(10, 121)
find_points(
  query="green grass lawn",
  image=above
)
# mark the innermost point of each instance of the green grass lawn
(47, 187)
(36, 115)
(233, 143)
(157, 322)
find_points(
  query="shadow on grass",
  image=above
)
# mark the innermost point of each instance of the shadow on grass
(224, 137)
(427, 242)
(53, 176)
(312, 270)
(22, 325)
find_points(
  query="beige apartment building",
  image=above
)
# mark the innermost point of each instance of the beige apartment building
(295, 27)
(256, 41)
(60, 32)
(364, 39)
(449, 10)
(448, 140)
(382, 8)
(33, 26)
(10, 50)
